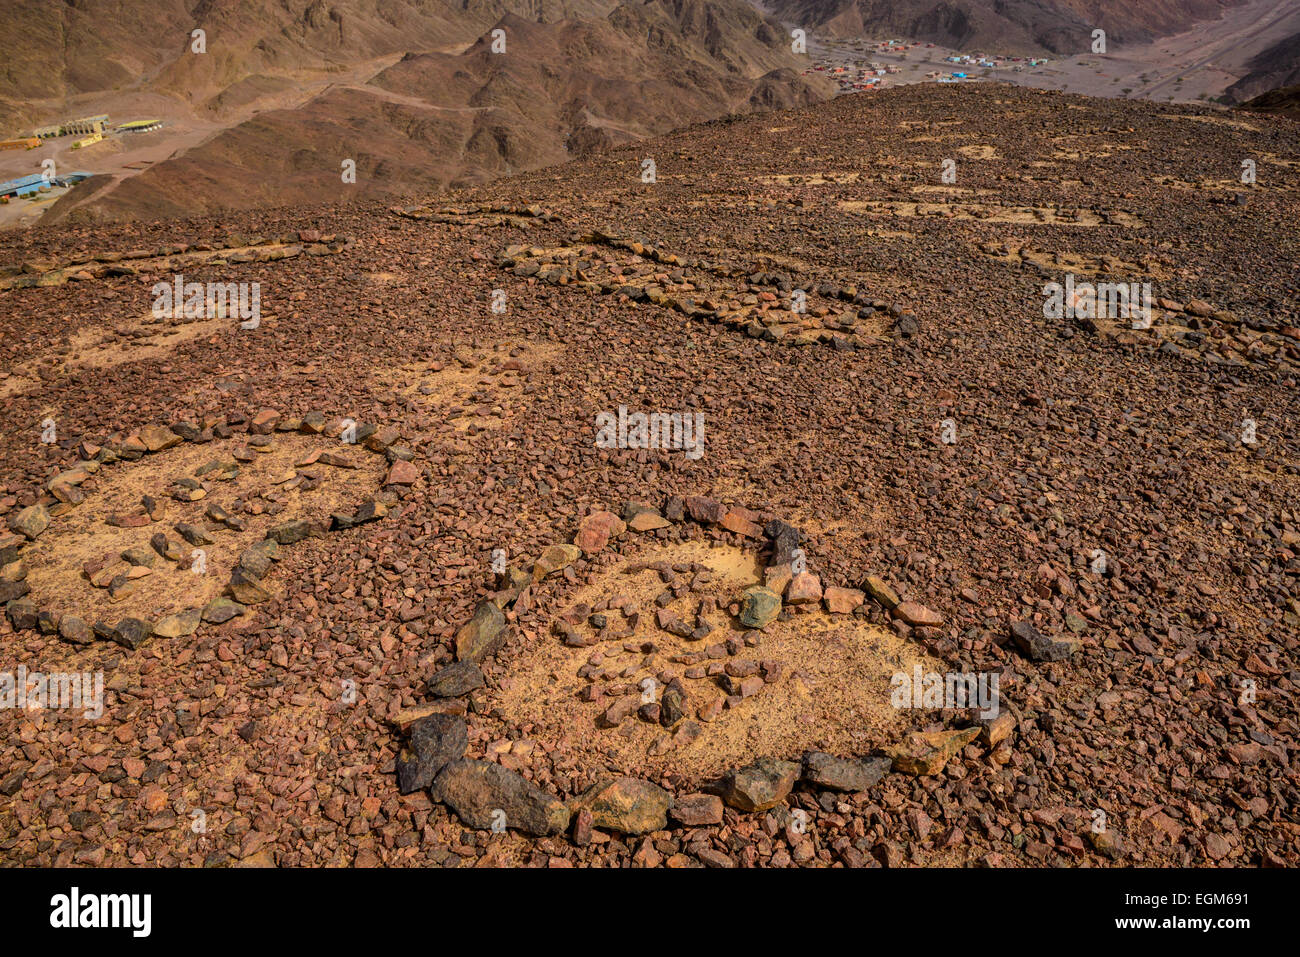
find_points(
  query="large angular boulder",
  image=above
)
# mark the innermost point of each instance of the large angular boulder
(179, 625)
(158, 437)
(290, 532)
(761, 785)
(697, 810)
(759, 606)
(595, 531)
(246, 588)
(928, 752)
(803, 589)
(30, 521)
(486, 795)
(1035, 645)
(917, 614)
(132, 632)
(555, 558)
(21, 614)
(843, 774)
(878, 589)
(455, 680)
(785, 541)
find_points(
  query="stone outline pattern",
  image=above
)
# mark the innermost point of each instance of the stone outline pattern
(525, 262)
(177, 256)
(130, 632)
(628, 804)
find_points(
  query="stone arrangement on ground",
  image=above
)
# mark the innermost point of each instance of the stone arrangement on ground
(498, 640)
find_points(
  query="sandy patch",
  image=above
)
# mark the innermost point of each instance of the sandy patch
(832, 692)
(269, 490)
(1077, 263)
(475, 389)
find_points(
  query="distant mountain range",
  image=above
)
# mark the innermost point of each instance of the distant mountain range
(418, 97)
(1003, 26)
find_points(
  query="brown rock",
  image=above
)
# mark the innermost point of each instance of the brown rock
(924, 753)
(877, 589)
(916, 614)
(842, 601)
(697, 810)
(402, 473)
(761, 785)
(647, 522)
(803, 589)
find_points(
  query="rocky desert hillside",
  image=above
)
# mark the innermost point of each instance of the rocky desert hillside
(452, 612)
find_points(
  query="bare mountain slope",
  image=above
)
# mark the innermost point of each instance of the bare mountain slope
(53, 52)
(1284, 101)
(1013, 26)
(1276, 67)
(438, 119)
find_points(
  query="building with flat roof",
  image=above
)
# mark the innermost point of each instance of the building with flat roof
(23, 185)
(82, 127)
(86, 125)
(26, 185)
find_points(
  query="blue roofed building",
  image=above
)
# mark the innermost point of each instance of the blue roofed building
(22, 186)
(26, 185)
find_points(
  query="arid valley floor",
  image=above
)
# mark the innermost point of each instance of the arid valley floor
(1104, 517)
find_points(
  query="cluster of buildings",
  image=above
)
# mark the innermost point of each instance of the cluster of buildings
(996, 62)
(853, 78)
(900, 46)
(979, 60)
(89, 129)
(86, 126)
(870, 77)
(38, 183)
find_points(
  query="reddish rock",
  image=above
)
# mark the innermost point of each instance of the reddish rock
(803, 589)
(264, 422)
(595, 531)
(707, 510)
(842, 601)
(402, 473)
(697, 810)
(647, 522)
(916, 614)
(735, 521)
